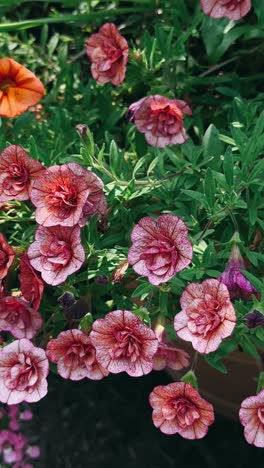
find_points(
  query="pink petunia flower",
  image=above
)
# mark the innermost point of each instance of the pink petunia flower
(160, 248)
(207, 315)
(160, 119)
(18, 318)
(23, 372)
(108, 51)
(26, 415)
(75, 356)
(124, 344)
(17, 173)
(237, 284)
(66, 195)
(178, 408)
(31, 286)
(57, 253)
(167, 355)
(232, 9)
(11, 446)
(7, 256)
(33, 451)
(251, 416)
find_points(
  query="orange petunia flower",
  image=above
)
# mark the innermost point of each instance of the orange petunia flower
(19, 88)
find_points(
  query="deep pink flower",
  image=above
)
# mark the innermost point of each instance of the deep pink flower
(178, 408)
(232, 9)
(18, 171)
(11, 445)
(108, 51)
(75, 356)
(123, 343)
(207, 315)
(251, 416)
(167, 355)
(160, 248)
(18, 318)
(14, 425)
(23, 372)
(237, 284)
(31, 286)
(65, 195)
(7, 256)
(57, 253)
(160, 119)
(26, 415)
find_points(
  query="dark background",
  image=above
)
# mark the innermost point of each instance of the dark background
(108, 423)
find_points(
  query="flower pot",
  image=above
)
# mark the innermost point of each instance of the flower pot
(224, 391)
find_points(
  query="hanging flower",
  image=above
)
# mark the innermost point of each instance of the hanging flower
(75, 356)
(19, 88)
(18, 318)
(23, 372)
(66, 195)
(160, 248)
(237, 284)
(167, 355)
(57, 253)
(7, 256)
(251, 416)
(178, 408)
(18, 171)
(232, 9)
(254, 319)
(123, 343)
(108, 51)
(207, 315)
(160, 119)
(31, 285)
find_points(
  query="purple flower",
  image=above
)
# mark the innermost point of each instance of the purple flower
(254, 319)
(238, 285)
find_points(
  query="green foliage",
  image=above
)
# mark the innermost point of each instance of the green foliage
(214, 181)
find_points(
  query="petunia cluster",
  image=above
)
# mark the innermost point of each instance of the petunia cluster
(16, 447)
(65, 197)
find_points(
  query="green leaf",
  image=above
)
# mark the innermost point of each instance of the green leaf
(142, 290)
(114, 158)
(228, 166)
(209, 188)
(191, 379)
(248, 347)
(216, 363)
(212, 146)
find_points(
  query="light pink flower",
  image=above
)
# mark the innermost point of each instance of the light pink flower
(232, 9)
(31, 286)
(33, 451)
(26, 415)
(23, 372)
(64, 192)
(75, 355)
(207, 315)
(108, 51)
(57, 253)
(7, 256)
(167, 355)
(17, 173)
(178, 408)
(123, 343)
(160, 119)
(251, 416)
(160, 248)
(18, 318)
